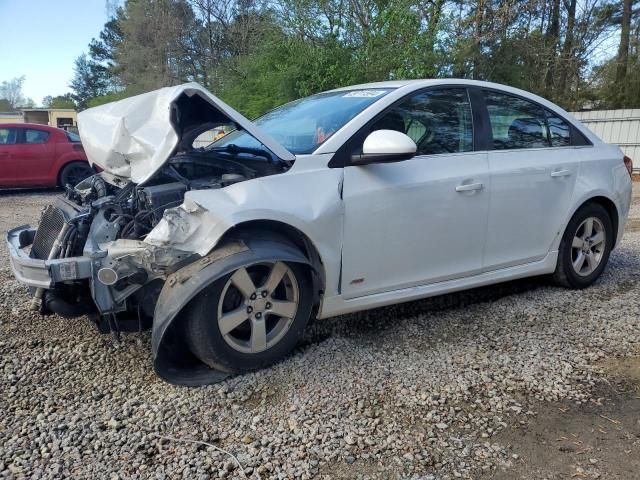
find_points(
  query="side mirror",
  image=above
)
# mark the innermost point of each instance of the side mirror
(382, 146)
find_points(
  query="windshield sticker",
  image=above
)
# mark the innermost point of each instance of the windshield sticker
(364, 93)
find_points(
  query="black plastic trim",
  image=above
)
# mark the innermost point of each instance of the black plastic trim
(577, 138)
(482, 137)
(362, 159)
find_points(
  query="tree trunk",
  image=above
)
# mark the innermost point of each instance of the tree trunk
(477, 39)
(566, 59)
(432, 33)
(623, 50)
(552, 44)
(433, 23)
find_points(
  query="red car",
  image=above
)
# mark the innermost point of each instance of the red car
(33, 155)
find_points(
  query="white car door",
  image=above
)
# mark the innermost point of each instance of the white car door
(533, 172)
(422, 220)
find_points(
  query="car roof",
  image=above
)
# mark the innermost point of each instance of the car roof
(400, 88)
(407, 86)
(428, 82)
(30, 125)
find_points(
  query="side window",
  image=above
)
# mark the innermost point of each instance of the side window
(8, 136)
(559, 132)
(439, 121)
(515, 122)
(35, 136)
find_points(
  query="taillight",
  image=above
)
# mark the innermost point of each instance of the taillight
(629, 164)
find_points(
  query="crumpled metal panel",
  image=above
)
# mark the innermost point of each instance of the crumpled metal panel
(133, 138)
(307, 198)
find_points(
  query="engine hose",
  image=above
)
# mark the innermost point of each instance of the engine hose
(69, 236)
(54, 302)
(99, 186)
(70, 243)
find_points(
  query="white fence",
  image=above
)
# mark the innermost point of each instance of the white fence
(621, 127)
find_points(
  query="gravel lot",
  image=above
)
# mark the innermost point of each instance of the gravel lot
(514, 381)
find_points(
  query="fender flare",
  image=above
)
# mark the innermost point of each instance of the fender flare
(175, 364)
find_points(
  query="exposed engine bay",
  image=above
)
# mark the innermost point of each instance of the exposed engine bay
(133, 210)
(106, 218)
(133, 245)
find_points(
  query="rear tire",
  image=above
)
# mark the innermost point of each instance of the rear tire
(74, 172)
(232, 325)
(585, 247)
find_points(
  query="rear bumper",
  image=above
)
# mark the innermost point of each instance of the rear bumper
(41, 273)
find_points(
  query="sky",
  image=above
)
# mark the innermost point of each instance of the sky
(42, 38)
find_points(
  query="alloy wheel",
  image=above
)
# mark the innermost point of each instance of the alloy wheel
(588, 246)
(257, 306)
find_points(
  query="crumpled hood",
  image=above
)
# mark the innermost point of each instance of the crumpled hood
(133, 138)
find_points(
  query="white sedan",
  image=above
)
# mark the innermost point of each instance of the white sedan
(346, 200)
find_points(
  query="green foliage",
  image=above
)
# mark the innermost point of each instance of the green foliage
(88, 80)
(61, 101)
(611, 94)
(108, 97)
(257, 55)
(5, 105)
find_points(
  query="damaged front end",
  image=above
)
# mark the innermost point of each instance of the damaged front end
(109, 245)
(88, 255)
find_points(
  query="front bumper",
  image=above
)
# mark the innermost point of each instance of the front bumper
(41, 273)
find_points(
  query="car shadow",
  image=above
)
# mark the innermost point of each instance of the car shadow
(4, 192)
(370, 321)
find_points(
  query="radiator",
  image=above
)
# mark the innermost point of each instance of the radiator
(51, 223)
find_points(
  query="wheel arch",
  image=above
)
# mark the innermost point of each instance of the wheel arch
(609, 205)
(237, 248)
(612, 210)
(284, 230)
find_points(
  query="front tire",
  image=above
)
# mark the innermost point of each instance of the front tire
(250, 318)
(585, 247)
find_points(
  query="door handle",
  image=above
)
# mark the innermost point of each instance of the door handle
(469, 187)
(561, 173)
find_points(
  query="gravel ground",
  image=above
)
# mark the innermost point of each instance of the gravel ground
(423, 390)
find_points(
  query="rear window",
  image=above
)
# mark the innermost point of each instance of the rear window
(515, 123)
(33, 136)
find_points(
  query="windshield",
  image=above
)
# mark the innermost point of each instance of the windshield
(303, 125)
(73, 137)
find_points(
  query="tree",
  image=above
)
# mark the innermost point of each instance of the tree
(623, 49)
(102, 50)
(11, 91)
(257, 54)
(155, 50)
(60, 101)
(5, 106)
(567, 56)
(87, 82)
(617, 80)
